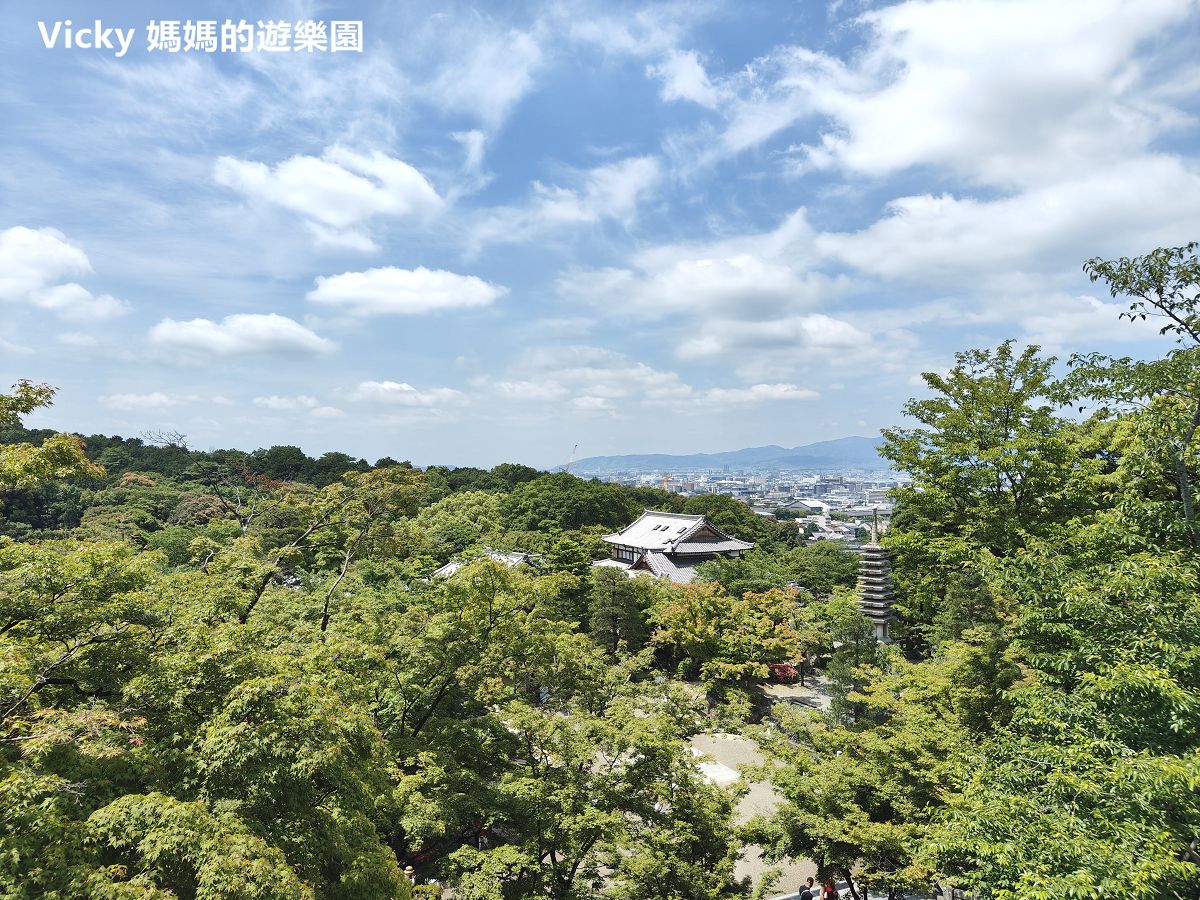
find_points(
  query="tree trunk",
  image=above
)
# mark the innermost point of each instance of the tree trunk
(262, 588)
(1183, 477)
(325, 610)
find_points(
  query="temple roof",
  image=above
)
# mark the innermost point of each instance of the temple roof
(676, 533)
(680, 571)
(508, 560)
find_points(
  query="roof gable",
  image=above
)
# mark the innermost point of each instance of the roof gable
(654, 530)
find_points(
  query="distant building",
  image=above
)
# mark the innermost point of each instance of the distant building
(807, 507)
(879, 496)
(508, 560)
(670, 545)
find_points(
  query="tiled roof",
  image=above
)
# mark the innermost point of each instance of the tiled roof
(712, 546)
(508, 560)
(680, 571)
(703, 544)
(669, 531)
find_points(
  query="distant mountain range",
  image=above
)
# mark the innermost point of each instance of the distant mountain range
(842, 453)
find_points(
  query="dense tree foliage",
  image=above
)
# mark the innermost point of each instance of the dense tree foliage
(817, 568)
(231, 674)
(561, 502)
(218, 679)
(992, 464)
(54, 457)
(1043, 738)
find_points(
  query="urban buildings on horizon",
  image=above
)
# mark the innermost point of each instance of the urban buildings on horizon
(830, 505)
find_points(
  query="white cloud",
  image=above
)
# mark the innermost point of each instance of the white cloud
(751, 298)
(1002, 91)
(312, 405)
(1056, 320)
(175, 94)
(769, 96)
(32, 259)
(751, 276)
(472, 177)
(153, 400)
(655, 32)
(598, 380)
(186, 101)
(1060, 321)
(15, 349)
(77, 304)
(797, 335)
(609, 192)
(326, 412)
(649, 31)
(599, 372)
(244, 333)
(335, 193)
(276, 402)
(684, 78)
(530, 390)
(1040, 124)
(1005, 93)
(758, 393)
(403, 394)
(474, 142)
(486, 71)
(77, 339)
(1129, 207)
(34, 266)
(582, 378)
(390, 290)
(592, 404)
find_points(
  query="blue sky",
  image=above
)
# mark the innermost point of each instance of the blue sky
(506, 229)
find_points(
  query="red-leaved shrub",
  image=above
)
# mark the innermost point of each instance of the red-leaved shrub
(783, 673)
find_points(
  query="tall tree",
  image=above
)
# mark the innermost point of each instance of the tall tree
(1164, 285)
(617, 608)
(57, 457)
(992, 463)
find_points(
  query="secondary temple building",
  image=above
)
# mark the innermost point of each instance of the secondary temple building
(670, 545)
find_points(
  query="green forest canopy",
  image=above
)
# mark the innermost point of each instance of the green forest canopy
(228, 674)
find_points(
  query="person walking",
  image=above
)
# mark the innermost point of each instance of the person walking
(809, 890)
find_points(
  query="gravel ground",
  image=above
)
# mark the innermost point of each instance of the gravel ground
(725, 753)
(813, 695)
(730, 751)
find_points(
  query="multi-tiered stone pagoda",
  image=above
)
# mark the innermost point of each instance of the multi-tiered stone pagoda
(876, 596)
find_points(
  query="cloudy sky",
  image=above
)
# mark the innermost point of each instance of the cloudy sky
(506, 229)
